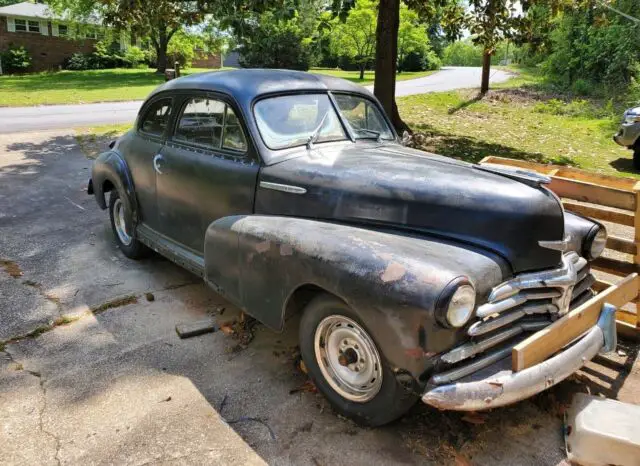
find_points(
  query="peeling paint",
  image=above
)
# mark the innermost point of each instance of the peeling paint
(393, 272)
(286, 250)
(264, 246)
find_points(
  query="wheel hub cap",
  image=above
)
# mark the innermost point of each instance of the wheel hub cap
(348, 358)
(120, 223)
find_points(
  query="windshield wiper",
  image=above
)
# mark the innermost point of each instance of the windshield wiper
(313, 137)
(377, 134)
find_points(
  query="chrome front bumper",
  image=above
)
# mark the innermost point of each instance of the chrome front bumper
(478, 392)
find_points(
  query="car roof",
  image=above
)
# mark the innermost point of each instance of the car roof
(247, 84)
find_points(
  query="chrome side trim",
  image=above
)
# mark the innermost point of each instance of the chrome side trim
(285, 188)
(560, 245)
(506, 387)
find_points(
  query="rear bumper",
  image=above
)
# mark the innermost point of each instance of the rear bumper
(503, 387)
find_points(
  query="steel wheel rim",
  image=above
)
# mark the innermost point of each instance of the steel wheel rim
(120, 223)
(348, 358)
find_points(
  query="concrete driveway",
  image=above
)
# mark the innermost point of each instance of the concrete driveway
(94, 372)
(14, 119)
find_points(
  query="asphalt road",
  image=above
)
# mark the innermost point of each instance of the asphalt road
(20, 119)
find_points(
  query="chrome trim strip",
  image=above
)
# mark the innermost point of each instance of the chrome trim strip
(485, 326)
(285, 188)
(560, 245)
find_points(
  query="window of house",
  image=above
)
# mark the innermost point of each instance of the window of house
(34, 26)
(156, 118)
(63, 30)
(210, 123)
(21, 25)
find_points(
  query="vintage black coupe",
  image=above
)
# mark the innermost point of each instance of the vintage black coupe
(415, 274)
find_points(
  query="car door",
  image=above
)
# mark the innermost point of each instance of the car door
(206, 170)
(142, 148)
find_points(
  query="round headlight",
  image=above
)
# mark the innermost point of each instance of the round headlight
(595, 242)
(456, 303)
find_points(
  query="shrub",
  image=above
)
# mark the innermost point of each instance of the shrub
(134, 56)
(16, 60)
(462, 53)
(276, 43)
(78, 62)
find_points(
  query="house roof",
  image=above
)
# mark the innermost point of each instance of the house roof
(41, 11)
(31, 10)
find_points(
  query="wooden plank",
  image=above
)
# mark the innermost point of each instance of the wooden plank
(636, 235)
(626, 184)
(627, 331)
(630, 318)
(601, 285)
(590, 192)
(533, 166)
(614, 266)
(622, 218)
(621, 244)
(551, 339)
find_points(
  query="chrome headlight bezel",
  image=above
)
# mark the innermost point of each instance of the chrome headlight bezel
(456, 304)
(595, 242)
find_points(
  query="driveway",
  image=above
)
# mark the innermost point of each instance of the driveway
(94, 372)
(15, 119)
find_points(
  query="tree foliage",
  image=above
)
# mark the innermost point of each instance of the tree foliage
(355, 38)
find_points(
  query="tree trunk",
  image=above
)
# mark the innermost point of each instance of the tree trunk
(362, 67)
(384, 86)
(161, 51)
(486, 68)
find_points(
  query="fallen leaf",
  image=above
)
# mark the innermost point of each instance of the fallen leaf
(308, 387)
(227, 328)
(474, 418)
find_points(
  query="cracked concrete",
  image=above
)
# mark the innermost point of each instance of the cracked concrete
(117, 385)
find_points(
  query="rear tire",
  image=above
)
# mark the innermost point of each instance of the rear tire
(347, 366)
(125, 239)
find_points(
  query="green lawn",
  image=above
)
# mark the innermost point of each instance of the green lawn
(519, 119)
(75, 87)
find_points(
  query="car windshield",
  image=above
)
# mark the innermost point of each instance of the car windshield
(295, 120)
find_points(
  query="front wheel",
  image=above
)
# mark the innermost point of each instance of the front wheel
(123, 232)
(347, 366)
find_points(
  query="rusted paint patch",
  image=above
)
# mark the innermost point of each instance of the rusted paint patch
(11, 268)
(393, 272)
(286, 250)
(264, 246)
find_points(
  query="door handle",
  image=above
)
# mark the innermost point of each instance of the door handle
(156, 163)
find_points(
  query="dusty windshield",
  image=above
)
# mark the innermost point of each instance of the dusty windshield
(295, 120)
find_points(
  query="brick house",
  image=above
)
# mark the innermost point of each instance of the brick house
(45, 36)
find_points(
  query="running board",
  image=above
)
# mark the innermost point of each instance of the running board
(173, 251)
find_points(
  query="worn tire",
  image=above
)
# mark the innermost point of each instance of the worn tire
(391, 401)
(636, 156)
(135, 249)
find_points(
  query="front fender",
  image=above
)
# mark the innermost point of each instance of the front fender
(110, 166)
(391, 280)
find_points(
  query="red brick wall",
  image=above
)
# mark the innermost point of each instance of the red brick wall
(47, 52)
(207, 61)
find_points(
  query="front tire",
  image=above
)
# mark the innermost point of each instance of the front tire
(125, 238)
(347, 365)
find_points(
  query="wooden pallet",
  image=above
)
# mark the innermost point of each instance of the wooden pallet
(602, 197)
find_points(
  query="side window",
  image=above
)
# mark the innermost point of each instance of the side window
(233, 136)
(210, 123)
(201, 123)
(156, 118)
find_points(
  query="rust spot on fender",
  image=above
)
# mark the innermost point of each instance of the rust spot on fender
(263, 247)
(286, 250)
(393, 272)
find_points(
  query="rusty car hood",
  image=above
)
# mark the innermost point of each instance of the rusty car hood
(391, 186)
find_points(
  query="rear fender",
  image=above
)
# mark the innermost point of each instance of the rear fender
(110, 166)
(392, 281)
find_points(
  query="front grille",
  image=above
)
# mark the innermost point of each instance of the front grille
(514, 310)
